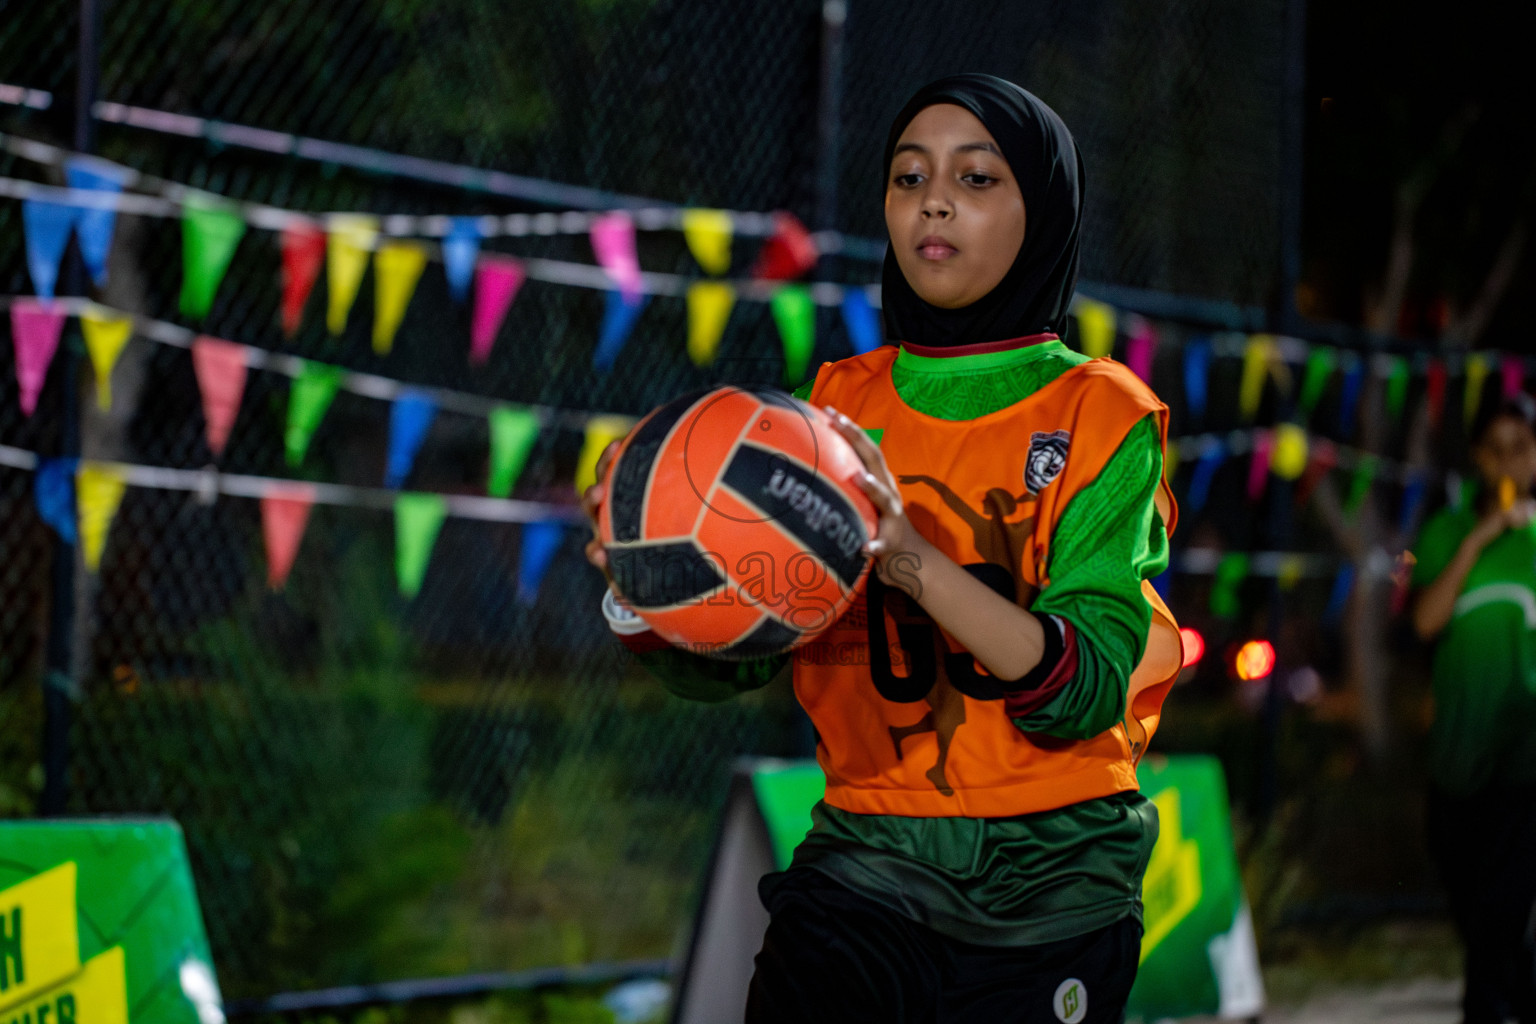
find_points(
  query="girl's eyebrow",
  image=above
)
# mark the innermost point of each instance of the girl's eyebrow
(967, 147)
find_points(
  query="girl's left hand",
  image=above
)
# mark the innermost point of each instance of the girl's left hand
(895, 532)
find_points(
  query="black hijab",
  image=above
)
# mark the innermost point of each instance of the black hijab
(1033, 296)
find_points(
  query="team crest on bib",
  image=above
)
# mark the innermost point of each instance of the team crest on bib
(1047, 455)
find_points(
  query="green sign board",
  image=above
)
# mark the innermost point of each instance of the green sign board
(1197, 953)
(99, 924)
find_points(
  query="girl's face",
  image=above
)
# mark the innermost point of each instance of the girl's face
(1507, 448)
(952, 207)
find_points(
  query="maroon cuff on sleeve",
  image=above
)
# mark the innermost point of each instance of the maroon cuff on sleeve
(1037, 688)
(644, 642)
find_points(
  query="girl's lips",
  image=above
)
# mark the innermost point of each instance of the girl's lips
(935, 248)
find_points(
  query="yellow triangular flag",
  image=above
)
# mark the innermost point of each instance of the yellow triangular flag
(1096, 323)
(709, 307)
(98, 491)
(1257, 357)
(708, 234)
(397, 266)
(601, 431)
(1288, 454)
(1477, 374)
(349, 240)
(105, 335)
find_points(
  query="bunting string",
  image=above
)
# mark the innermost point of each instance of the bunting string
(161, 198)
(561, 272)
(209, 483)
(369, 385)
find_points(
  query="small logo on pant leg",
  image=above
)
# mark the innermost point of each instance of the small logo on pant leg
(1070, 1001)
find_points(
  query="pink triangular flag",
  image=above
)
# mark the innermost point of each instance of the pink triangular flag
(613, 242)
(35, 329)
(1258, 468)
(284, 514)
(221, 368)
(1512, 375)
(497, 279)
(1139, 348)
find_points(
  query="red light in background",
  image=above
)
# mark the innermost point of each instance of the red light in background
(1194, 646)
(1255, 660)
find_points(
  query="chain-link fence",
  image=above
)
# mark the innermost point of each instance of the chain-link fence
(376, 787)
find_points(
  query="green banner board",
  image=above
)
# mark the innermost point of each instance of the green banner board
(1198, 955)
(99, 923)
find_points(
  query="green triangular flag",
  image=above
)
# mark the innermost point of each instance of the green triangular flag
(1231, 571)
(1360, 482)
(209, 235)
(418, 518)
(795, 314)
(1397, 387)
(1314, 380)
(308, 400)
(513, 432)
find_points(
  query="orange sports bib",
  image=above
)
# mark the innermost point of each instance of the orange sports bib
(909, 723)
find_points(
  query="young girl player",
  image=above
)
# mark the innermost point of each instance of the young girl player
(979, 852)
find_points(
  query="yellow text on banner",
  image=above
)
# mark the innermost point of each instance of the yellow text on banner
(39, 937)
(96, 995)
(1172, 886)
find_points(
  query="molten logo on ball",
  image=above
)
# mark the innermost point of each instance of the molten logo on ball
(820, 516)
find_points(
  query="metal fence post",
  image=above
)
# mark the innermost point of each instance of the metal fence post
(60, 685)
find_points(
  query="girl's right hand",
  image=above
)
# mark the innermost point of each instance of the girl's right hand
(592, 503)
(1517, 517)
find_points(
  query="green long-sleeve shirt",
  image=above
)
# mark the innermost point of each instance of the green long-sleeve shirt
(1484, 732)
(1040, 877)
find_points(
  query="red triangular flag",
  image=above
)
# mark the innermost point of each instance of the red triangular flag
(1434, 390)
(788, 254)
(221, 369)
(35, 329)
(284, 514)
(1323, 457)
(303, 255)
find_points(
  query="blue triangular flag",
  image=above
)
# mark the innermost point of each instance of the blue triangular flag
(1343, 583)
(1349, 398)
(540, 542)
(861, 320)
(1413, 498)
(460, 250)
(1197, 373)
(53, 491)
(94, 224)
(1162, 583)
(619, 316)
(47, 227)
(409, 419)
(1205, 472)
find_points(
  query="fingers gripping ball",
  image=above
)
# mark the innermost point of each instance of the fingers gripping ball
(734, 523)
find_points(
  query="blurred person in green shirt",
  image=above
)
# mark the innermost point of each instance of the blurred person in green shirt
(1476, 599)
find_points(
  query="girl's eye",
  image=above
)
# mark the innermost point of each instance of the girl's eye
(977, 178)
(906, 180)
